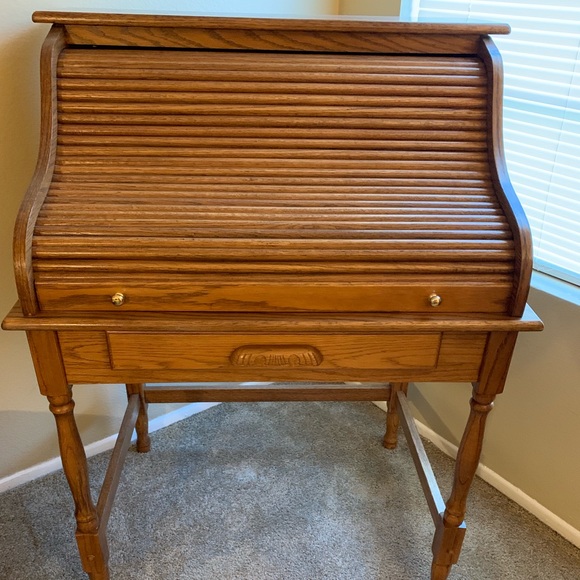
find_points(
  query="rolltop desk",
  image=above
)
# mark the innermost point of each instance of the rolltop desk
(320, 205)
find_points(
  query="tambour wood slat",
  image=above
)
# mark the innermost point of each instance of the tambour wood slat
(410, 144)
(100, 173)
(292, 254)
(410, 222)
(251, 212)
(105, 124)
(81, 60)
(373, 199)
(160, 114)
(81, 279)
(106, 132)
(80, 267)
(71, 123)
(449, 72)
(258, 154)
(184, 190)
(153, 163)
(127, 101)
(273, 181)
(168, 79)
(245, 157)
(298, 233)
(69, 204)
(186, 91)
(153, 63)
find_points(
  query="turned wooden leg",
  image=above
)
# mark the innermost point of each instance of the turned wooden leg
(390, 440)
(91, 540)
(450, 530)
(142, 425)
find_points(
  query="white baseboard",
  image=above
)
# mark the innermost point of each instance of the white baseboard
(502, 485)
(46, 467)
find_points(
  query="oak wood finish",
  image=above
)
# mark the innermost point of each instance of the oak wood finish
(92, 357)
(142, 422)
(390, 439)
(113, 474)
(216, 392)
(424, 470)
(264, 351)
(240, 199)
(321, 35)
(38, 188)
(90, 534)
(506, 194)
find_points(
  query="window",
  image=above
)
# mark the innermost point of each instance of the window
(541, 115)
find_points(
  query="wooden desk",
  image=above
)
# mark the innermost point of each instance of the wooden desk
(233, 199)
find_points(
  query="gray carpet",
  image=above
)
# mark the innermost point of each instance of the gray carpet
(285, 491)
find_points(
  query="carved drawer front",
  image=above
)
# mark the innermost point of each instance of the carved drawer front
(156, 351)
(275, 296)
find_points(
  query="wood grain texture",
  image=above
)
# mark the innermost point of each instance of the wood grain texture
(285, 294)
(235, 392)
(265, 39)
(498, 354)
(38, 188)
(333, 323)
(48, 364)
(87, 358)
(142, 423)
(505, 191)
(391, 433)
(426, 474)
(280, 34)
(245, 159)
(239, 22)
(189, 351)
(284, 355)
(91, 540)
(450, 528)
(115, 467)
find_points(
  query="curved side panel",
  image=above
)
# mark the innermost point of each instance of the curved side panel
(507, 197)
(38, 188)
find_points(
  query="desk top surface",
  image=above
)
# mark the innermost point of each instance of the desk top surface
(322, 23)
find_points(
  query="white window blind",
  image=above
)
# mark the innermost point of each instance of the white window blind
(541, 116)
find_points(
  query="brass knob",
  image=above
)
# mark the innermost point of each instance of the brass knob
(118, 299)
(434, 300)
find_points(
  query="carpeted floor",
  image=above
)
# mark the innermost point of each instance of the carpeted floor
(284, 491)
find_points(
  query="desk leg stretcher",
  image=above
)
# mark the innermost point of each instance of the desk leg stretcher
(92, 520)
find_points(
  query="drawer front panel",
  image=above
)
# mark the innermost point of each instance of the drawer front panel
(154, 351)
(275, 297)
(88, 358)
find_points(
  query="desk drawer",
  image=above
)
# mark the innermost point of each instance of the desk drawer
(157, 351)
(275, 296)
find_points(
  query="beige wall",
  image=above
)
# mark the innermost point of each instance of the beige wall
(370, 7)
(26, 427)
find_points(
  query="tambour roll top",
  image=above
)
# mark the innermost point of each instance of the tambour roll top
(278, 167)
